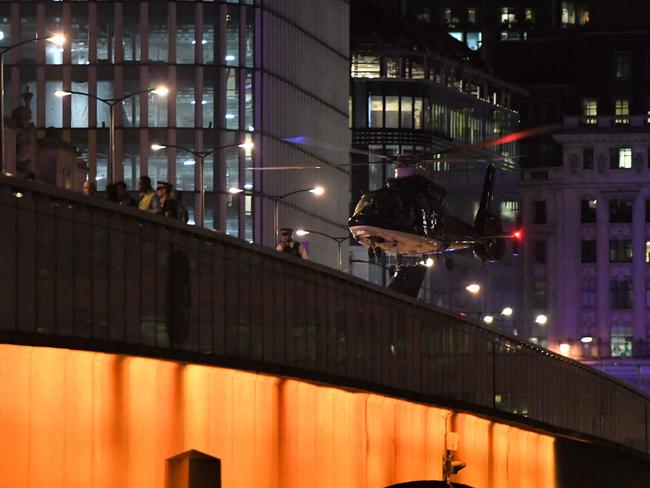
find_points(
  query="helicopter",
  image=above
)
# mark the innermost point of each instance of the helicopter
(408, 216)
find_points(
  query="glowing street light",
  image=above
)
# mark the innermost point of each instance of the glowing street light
(565, 349)
(161, 91)
(57, 40)
(586, 339)
(488, 319)
(541, 319)
(338, 240)
(473, 288)
(201, 155)
(315, 190)
(507, 311)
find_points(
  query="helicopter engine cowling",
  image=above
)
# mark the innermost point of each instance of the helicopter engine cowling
(490, 250)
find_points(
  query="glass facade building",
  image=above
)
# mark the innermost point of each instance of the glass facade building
(210, 54)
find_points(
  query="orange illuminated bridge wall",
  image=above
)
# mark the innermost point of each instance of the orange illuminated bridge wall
(87, 419)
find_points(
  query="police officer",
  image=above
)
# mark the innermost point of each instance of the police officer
(289, 246)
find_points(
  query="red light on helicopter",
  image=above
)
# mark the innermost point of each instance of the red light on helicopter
(518, 234)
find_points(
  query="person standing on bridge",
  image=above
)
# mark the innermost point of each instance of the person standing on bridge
(149, 201)
(289, 246)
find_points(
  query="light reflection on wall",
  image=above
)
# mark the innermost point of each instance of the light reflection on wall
(76, 418)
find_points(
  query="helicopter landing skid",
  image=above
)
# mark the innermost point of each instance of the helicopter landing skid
(395, 241)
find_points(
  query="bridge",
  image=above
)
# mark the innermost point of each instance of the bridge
(127, 338)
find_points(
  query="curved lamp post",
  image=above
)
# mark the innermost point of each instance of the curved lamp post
(201, 155)
(338, 240)
(161, 91)
(316, 190)
(58, 40)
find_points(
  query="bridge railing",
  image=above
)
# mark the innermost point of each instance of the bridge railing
(82, 272)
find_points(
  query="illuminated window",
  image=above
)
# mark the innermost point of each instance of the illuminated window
(590, 111)
(623, 64)
(79, 105)
(105, 34)
(471, 15)
(622, 111)
(364, 66)
(583, 17)
(158, 32)
(568, 13)
(232, 99)
(392, 112)
(131, 39)
(620, 251)
(406, 114)
(621, 341)
(620, 158)
(508, 15)
(588, 158)
(375, 111)
(647, 251)
(588, 251)
(185, 39)
(588, 211)
(232, 36)
(529, 15)
(447, 15)
(539, 212)
(457, 35)
(620, 211)
(105, 91)
(474, 40)
(417, 113)
(185, 102)
(588, 294)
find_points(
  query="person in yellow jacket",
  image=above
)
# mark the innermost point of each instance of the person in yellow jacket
(149, 201)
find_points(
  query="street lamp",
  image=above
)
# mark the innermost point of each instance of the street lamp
(201, 155)
(338, 240)
(316, 190)
(161, 91)
(58, 40)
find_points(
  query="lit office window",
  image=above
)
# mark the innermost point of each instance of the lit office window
(28, 31)
(620, 158)
(131, 162)
(186, 165)
(5, 27)
(232, 36)
(249, 123)
(232, 99)
(406, 121)
(158, 105)
(79, 105)
(508, 15)
(647, 251)
(185, 102)
(158, 166)
(622, 111)
(417, 113)
(365, 66)
(105, 33)
(209, 21)
(53, 105)
(250, 36)
(79, 39)
(458, 35)
(471, 15)
(185, 39)
(131, 106)
(375, 111)
(590, 111)
(105, 91)
(131, 38)
(207, 103)
(392, 112)
(474, 40)
(529, 15)
(158, 32)
(568, 13)
(621, 341)
(620, 251)
(53, 53)
(233, 202)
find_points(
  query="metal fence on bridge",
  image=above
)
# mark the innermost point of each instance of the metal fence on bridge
(84, 269)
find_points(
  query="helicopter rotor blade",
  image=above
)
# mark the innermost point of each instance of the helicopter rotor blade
(312, 142)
